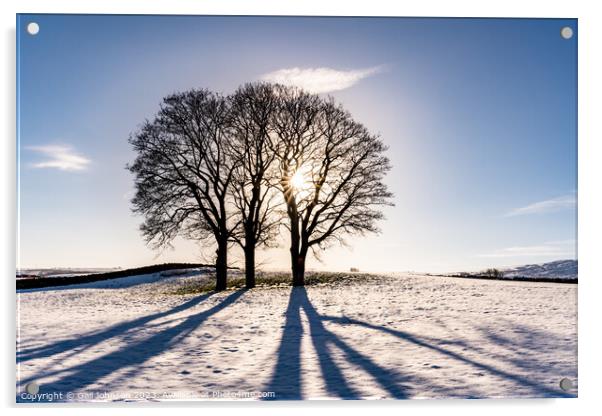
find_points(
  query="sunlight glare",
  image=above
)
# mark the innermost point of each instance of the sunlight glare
(299, 180)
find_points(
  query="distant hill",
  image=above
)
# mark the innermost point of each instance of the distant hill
(63, 271)
(560, 269)
(36, 282)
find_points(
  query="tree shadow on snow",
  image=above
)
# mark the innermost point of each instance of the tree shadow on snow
(76, 345)
(538, 389)
(287, 383)
(134, 354)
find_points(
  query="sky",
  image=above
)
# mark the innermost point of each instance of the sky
(479, 115)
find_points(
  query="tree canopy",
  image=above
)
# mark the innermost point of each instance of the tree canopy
(230, 169)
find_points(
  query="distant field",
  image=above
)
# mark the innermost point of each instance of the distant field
(514, 278)
(559, 271)
(562, 271)
(62, 272)
(72, 279)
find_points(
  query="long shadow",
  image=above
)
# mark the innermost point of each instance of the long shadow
(538, 389)
(88, 373)
(83, 342)
(531, 349)
(286, 381)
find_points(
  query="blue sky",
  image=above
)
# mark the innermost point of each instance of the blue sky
(479, 115)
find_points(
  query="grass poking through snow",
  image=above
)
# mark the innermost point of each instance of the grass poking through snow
(271, 280)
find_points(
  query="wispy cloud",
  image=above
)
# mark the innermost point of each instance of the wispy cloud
(549, 205)
(59, 157)
(556, 249)
(320, 80)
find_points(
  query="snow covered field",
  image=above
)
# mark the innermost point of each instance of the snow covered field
(399, 336)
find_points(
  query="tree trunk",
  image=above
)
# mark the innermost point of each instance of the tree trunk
(297, 262)
(299, 270)
(221, 265)
(298, 251)
(249, 264)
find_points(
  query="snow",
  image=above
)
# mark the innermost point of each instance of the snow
(397, 336)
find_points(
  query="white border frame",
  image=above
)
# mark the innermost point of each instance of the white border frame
(590, 205)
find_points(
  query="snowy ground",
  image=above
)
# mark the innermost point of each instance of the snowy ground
(401, 336)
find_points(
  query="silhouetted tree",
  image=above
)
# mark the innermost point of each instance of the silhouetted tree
(253, 192)
(493, 273)
(183, 174)
(331, 173)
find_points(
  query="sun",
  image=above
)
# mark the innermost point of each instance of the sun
(300, 181)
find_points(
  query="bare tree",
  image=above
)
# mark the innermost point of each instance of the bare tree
(331, 173)
(493, 273)
(183, 173)
(251, 109)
